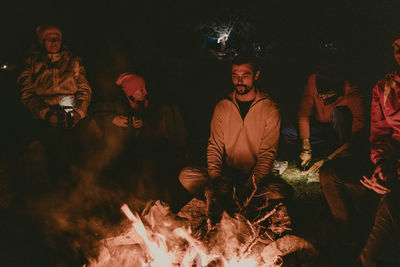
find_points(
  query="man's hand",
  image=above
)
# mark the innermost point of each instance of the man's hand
(383, 172)
(137, 123)
(120, 121)
(380, 177)
(373, 184)
(315, 167)
(75, 118)
(52, 117)
(305, 157)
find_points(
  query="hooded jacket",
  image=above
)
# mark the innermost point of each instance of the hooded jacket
(44, 82)
(248, 145)
(385, 119)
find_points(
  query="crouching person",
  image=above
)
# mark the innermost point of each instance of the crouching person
(383, 244)
(241, 149)
(144, 139)
(380, 191)
(330, 118)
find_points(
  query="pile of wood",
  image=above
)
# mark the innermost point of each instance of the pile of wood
(188, 240)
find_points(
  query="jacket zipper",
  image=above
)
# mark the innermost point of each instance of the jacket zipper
(252, 105)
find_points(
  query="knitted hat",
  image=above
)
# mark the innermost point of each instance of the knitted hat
(130, 83)
(45, 31)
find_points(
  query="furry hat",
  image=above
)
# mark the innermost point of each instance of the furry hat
(44, 31)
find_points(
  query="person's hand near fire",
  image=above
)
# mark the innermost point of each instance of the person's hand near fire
(381, 178)
(123, 122)
(306, 156)
(60, 118)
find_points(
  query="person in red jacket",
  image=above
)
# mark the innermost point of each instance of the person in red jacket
(382, 245)
(379, 192)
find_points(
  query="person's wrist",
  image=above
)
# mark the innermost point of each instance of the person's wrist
(305, 143)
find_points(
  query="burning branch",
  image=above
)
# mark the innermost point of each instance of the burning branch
(246, 203)
(157, 251)
(269, 214)
(248, 200)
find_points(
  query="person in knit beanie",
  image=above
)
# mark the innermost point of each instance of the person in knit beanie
(134, 88)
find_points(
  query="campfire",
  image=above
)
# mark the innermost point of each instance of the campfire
(161, 238)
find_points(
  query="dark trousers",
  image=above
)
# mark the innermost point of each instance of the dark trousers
(345, 195)
(360, 214)
(324, 137)
(63, 147)
(383, 245)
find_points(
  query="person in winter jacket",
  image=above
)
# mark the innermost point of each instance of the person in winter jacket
(144, 138)
(382, 246)
(375, 201)
(53, 83)
(56, 93)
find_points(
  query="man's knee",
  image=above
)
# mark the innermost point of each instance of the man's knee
(327, 175)
(277, 188)
(193, 179)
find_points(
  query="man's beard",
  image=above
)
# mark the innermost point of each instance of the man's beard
(330, 100)
(245, 91)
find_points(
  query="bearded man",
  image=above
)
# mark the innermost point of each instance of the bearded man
(242, 146)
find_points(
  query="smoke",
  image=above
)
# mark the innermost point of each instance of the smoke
(85, 206)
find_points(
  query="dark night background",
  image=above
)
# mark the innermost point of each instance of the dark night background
(164, 41)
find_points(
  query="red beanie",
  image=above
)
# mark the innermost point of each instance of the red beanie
(130, 83)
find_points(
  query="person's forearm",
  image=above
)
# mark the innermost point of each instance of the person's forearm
(342, 148)
(305, 143)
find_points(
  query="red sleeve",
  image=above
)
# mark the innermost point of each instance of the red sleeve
(306, 107)
(381, 132)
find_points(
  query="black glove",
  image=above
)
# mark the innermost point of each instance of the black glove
(54, 117)
(72, 118)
